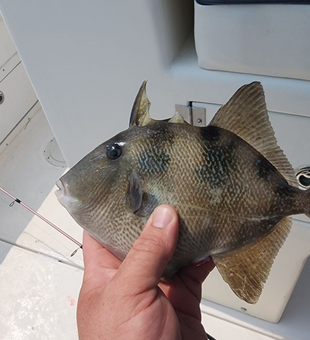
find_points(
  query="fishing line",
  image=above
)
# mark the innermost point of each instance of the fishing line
(17, 200)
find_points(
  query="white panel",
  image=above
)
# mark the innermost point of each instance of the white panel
(88, 60)
(9, 66)
(19, 97)
(265, 39)
(26, 174)
(7, 47)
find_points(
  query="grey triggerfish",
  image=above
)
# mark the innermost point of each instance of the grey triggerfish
(231, 184)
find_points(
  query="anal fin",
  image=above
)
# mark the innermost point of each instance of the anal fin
(246, 270)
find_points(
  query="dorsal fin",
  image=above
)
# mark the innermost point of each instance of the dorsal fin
(246, 115)
(177, 118)
(140, 115)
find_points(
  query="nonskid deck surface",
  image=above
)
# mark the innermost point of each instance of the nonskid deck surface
(40, 282)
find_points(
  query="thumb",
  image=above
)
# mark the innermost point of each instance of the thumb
(146, 261)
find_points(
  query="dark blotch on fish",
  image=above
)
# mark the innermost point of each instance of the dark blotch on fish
(157, 161)
(219, 158)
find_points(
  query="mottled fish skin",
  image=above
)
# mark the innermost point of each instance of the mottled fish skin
(224, 186)
(227, 194)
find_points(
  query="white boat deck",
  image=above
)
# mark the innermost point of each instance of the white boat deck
(40, 282)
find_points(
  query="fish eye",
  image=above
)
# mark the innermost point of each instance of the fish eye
(114, 151)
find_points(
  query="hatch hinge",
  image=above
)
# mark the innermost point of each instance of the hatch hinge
(191, 114)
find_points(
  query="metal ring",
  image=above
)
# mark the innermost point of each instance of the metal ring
(303, 177)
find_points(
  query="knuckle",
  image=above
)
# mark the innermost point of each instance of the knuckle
(153, 245)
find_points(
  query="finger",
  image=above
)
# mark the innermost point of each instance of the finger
(89, 245)
(197, 272)
(193, 276)
(95, 255)
(184, 292)
(151, 252)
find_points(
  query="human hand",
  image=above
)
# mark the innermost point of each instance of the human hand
(125, 300)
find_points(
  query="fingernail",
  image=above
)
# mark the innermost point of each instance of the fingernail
(161, 217)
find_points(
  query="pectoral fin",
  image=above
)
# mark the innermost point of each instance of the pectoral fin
(247, 270)
(135, 193)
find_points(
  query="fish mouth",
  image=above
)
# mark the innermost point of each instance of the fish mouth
(64, 197)
(62, 193)
(61, 189)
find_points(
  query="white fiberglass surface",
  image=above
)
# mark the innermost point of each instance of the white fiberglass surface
(39, 281)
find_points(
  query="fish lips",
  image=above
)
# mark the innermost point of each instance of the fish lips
(64, 197)
(61, 189)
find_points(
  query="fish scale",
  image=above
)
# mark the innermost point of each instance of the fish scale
(230, 183)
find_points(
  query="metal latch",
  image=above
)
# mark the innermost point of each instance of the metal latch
(191, 114)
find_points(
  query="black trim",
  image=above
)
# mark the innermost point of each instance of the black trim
(209, 337)
(252, 2)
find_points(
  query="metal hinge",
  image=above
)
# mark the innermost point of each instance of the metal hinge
(191, 114)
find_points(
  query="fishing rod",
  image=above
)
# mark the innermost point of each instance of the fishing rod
(17, 200)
